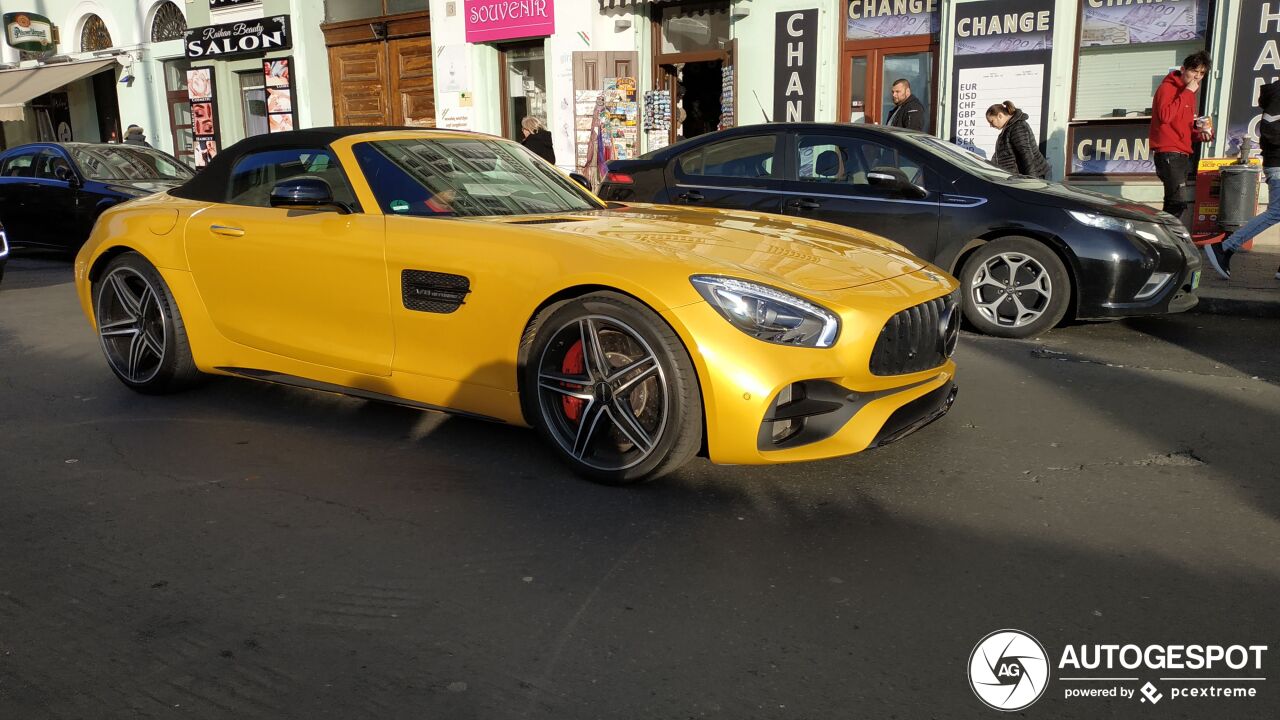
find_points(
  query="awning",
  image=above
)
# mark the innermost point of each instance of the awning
(17, 87)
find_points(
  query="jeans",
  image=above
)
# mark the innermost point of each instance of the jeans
(1269, 217)
(1172, 169)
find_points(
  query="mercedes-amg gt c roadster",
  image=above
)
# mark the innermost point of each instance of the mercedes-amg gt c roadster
(458, 272)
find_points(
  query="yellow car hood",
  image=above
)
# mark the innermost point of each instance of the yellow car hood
(807, 255)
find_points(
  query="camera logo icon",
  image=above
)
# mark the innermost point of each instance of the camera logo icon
(1008, 670)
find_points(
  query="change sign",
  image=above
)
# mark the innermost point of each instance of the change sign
(28, 31)
(1257, 64)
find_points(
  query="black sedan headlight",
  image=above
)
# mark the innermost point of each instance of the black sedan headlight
(1151, 232)
(769, 314)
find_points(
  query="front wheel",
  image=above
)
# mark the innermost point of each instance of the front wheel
(140, 328)
(1015, 288)
(612, 388)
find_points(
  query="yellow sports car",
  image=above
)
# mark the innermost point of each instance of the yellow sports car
(456, 271)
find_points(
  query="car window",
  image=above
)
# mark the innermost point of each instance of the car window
(852, 162)
(19, 165)
(255, 174)
(465, 177)
(47, 165)
(111, 163)
(744, 157)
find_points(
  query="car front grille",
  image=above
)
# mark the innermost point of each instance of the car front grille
(918, 338)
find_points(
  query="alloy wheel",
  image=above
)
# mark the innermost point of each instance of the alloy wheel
(602, 393)
(131, 325)
(1012, 289)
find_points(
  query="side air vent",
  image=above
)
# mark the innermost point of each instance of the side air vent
(433, 292)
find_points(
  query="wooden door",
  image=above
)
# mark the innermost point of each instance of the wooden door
(356, 75)
(412, 91)
(591, 68)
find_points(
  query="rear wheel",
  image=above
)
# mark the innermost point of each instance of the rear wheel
(140, 328)
(611, 386)
(1015, 287)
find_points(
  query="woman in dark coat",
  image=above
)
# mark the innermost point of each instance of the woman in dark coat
(1016, 149)
(537, 139)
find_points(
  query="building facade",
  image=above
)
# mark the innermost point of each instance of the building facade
(256, 66)
(1084, 70)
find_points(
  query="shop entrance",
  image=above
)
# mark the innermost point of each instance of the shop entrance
(693, 61)
(868, 74)
(696, 89)
(380, 70)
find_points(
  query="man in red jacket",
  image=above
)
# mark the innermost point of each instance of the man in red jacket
(1174, 126)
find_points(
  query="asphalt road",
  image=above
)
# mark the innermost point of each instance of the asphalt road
(253, 551)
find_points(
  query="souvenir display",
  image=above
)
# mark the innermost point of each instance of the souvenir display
(727, 105)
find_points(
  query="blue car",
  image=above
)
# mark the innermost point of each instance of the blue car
(52, 193)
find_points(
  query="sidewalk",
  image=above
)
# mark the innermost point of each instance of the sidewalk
(1253, 289)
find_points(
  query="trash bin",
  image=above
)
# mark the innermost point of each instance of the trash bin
(1238, 190)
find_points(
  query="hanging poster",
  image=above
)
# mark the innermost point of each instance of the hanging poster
(282, 113)
(1107, 22)
(795, 65)
(1257, 64)
(1003, 53)
(202, 95)
(876, 19)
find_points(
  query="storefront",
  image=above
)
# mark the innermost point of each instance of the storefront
(882, 42)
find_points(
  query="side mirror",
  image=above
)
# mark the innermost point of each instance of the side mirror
(894, 183)
(310, 193)
(581, 180)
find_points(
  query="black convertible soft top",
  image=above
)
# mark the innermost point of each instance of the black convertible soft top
(211, 184)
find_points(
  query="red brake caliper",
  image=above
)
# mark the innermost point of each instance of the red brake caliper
(572, 365)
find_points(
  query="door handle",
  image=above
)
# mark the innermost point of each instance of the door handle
(691, 197)
(226, 230)
(804, 204)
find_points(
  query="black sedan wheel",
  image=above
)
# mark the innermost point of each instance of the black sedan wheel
(1015, 288)
(610, 385)
(140, 328)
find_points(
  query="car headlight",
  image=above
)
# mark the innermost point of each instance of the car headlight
(4, 244)
(1150, 232)
(769, 314)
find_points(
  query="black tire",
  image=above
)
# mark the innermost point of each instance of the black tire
(644, 407)
(142, 335)
(1014, 287)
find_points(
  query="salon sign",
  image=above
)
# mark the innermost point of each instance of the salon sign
(491, 20)
(28, 31)
(239, 38)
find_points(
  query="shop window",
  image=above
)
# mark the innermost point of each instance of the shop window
(745, 157)
(340, 10)
(694, 29)
(524, 86)
(1126, 52)
(94, 35)
(168, 23)
(253, 103)
(179, 105)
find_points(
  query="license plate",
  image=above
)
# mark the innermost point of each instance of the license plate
(1195, 280)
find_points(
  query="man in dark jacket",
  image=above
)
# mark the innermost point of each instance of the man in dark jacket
(537, 139)
(135, 136)
(1174, 125)
(1269, 134)
(1016, 149)
(908, 112)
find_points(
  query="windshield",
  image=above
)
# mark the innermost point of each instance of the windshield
(116, 162)
(466, 177)
(959, 156)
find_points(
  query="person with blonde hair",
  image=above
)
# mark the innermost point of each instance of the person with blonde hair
(537, 138)
(1016, 150)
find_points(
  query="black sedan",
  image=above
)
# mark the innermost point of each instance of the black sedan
(1027, 252)
(51, 194)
